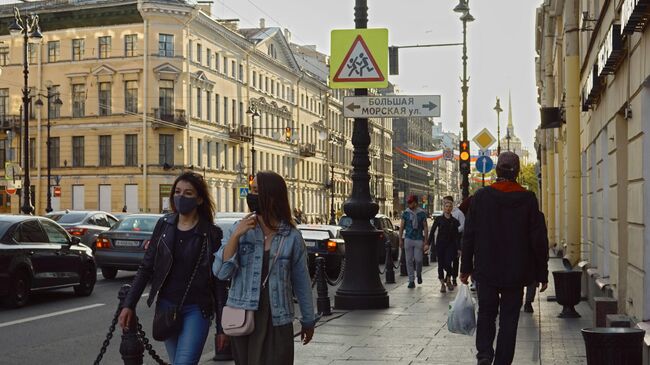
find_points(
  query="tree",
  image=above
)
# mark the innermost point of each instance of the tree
(528, 178)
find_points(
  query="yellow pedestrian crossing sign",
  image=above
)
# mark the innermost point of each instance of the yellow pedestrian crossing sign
(359, 58)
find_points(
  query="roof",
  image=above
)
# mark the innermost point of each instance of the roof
(15, 217)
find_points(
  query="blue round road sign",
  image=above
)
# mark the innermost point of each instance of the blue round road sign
(484, 164)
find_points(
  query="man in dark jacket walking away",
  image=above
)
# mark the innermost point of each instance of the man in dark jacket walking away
(504, 249)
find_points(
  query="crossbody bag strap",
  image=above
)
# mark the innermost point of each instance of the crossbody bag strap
(277, 254)
(196, 267)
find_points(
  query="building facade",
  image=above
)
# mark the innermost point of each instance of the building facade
(592, 143)
(151, 88)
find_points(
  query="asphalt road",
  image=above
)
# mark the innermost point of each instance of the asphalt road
(57, 327)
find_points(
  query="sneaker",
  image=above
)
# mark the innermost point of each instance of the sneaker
(484, 362)
(411, 285)
(453, 281)
(419, 279)
(443, 288)
(528, 307)
(450, 286)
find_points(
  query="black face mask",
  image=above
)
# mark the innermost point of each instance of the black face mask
(185, 205)
(253, 202)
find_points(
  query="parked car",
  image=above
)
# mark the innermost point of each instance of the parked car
(389, 234)
(38, 254)
(123, 246)
(326, 241)
(84, 224)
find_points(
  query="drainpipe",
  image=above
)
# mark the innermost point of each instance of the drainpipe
(145, 107)
(573, 173)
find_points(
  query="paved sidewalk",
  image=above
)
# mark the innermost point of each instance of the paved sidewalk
(413, 331)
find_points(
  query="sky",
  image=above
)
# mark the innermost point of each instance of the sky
(501, 50)
(500, 46)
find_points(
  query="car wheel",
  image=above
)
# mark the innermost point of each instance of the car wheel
(109, 273)
(19, 289)
(87, 282)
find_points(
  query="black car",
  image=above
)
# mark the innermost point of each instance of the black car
(37, 254)
(122, 247)
(84, 224)
(389, 234)
(325, 241)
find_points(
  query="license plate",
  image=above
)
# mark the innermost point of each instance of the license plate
(310, 243)
(125, 243)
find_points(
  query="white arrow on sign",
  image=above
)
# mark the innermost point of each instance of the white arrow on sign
(395, 106)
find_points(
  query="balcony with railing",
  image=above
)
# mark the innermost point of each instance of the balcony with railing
(240, 133)
(9, 122)
(169, 118)
(307, 150)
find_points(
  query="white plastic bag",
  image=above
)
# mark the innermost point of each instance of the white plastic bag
(462, 315)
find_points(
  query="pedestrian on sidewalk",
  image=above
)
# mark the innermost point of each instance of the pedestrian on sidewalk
(504, 248)
(178, 264)
(265, 258)
(445, 244)
(460, 217)
(413, 235)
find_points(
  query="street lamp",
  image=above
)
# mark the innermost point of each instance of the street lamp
(463, 8)
(28, 27)
(498, 109)
(508, 137)
(253, 113)
(39, 104)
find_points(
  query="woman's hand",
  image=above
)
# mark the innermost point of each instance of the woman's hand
(306, 335)
(246, 224)
(222, 341)
(125, 318)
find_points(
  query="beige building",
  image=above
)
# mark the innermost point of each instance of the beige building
(592, 74)
(151, 88)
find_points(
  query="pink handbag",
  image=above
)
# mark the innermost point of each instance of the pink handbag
(241, 322)
(237, 321)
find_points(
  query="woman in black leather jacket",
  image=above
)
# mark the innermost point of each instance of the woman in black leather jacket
(179, 240)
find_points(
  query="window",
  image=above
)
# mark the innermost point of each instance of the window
(78, 48)
(233, 69)
(217, 111)
(208, 97)
(78, 100)
(130, 41)
(104, 47)
(104, 150)
(225, 109)
(53, 51)
(55, 148)
(131, 96)
(32, 153)
(4, 103)
(4, 55)
(216, 154)
(166, 97)
(199, 152)
(208, 58)
(241, 72)
(216, 61)
(199, 105)
(104, 98)
(30, 232)
(77, 151)
(3, 150)
(208, 154)
(241, 113)
(54, 233)
(166, 45)
(166, 149)
(55, 109)
(272, 52)
(254, 79)
(260, 81)
(199, 53)
(31, 52)
(131, 150)
(234, 110)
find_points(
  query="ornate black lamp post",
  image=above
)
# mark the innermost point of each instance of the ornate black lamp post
(361, 287)
(39, 104)
(463, 7)
(28, 27)
(252, 111)
(498, 109)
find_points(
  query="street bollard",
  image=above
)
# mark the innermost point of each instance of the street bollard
(388, 268)
(323, 300)
(402, 263)
(131, 348)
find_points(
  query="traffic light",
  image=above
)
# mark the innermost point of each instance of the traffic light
(250, 180)
(464, 164)
(287, 133)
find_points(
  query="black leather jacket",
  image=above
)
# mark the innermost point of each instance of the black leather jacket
(158, 260)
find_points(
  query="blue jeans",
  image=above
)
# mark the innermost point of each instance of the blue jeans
(186, 347)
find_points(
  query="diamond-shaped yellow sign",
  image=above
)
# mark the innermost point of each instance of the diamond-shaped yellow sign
(484, 139)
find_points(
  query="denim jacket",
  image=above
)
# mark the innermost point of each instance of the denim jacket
(288, 276)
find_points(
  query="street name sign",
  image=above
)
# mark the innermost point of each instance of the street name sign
(395, 106)
(484, 164)
(359, 58)
(484, 139)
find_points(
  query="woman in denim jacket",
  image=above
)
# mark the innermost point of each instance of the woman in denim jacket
(246, 260)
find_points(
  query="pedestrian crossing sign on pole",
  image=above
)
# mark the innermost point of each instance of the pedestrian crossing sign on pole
(359, 58)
